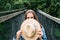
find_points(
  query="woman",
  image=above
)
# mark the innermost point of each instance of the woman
(29, 15)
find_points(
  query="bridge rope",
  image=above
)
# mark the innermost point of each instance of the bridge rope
(49, 16)
(6, 17)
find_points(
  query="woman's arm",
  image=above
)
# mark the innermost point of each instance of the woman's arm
(40, 34)
(18, 35)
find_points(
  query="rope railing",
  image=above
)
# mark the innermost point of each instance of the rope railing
(10, 11)
(49, 16)
(6, 17)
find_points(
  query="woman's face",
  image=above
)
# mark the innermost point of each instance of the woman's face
(30, 15)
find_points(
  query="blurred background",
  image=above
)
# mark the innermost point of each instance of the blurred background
(51, 7)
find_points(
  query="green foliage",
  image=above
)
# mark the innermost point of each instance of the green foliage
(4, 31)
(51, 7)
(8, 6)
(57, 32)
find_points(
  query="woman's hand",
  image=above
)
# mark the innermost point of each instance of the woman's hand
(40, 34)
(18, 34)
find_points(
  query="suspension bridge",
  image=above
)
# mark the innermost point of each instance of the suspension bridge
(13, 19)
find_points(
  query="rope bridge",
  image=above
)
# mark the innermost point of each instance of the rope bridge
(14, 19)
